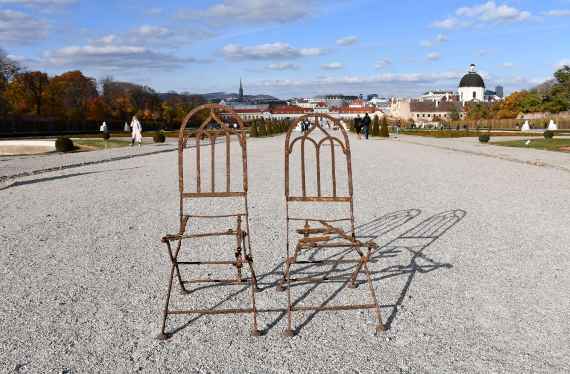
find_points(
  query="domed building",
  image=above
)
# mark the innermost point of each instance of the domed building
(471, 86)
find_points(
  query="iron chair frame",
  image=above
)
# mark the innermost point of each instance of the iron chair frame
(327, 233)
(243, 254)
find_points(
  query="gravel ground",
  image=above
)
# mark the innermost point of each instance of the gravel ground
(83, 274)
(19, 166)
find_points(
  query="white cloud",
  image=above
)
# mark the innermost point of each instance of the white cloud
(347, 40)
(383, 63)
(558, 13)
(488, 12)
(441, 38)
(152, 35)
(283, 66)
(250, 11)
(269, 51)
(508, 65)
(561, 64)
(434, 56)
(332, 66)
(448, 23)
(17, 27)
(356, 80)
(114, 57)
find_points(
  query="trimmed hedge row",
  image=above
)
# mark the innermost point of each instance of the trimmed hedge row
(262, 128)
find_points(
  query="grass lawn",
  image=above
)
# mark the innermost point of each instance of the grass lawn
(92, 144)
(547, 145)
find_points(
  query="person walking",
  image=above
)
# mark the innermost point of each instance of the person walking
(104, 129)
(305, 125)
(397, 129)
(127, 128)
(136, 131)
(366, 125)
(358, 126)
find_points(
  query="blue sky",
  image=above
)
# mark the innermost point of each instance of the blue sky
(292, 47)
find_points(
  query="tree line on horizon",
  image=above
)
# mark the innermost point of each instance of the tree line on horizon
(72, 96)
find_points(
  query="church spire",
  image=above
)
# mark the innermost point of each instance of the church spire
(240, 89)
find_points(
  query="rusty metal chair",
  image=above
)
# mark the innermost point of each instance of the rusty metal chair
(317, 233)
(212, 128)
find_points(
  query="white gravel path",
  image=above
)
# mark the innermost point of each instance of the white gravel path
(83, 274)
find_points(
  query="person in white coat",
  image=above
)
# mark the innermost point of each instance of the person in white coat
(136, 131)
(103, 127)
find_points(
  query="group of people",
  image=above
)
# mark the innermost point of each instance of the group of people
(135, 128)
(362, 125)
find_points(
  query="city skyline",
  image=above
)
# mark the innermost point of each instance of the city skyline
(291, 48)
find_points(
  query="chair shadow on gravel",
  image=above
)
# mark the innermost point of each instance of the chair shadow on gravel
(369, 231)
(428, 231)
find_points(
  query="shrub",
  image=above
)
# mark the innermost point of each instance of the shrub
(262, 130)
(159, 137)
(375, 126)
(64, 145)
(253, 130)
(106, 135)
(484, 138)
(384, 128)
(548, 134)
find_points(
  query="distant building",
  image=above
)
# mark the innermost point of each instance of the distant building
(499, 91)
(437, 95)
(432, 111)
(472, 86)
(337, 101)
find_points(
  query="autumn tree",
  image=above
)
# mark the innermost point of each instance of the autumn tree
(71, 94)
(26, 92)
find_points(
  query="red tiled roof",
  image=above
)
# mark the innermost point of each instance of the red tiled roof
(369, 109)
(290, 109)
(254, 110)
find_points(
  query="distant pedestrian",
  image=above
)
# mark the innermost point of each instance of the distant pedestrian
(104, 129)
(366, 125)
(397, 129)
(358, 126)
(136, 131)
(127, 128)
(305, 125)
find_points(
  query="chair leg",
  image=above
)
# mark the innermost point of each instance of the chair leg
(380, 326)
(290, 261)
(353, 283)
(255, 330)
(289, 332)
(183, 289)
(163, 335)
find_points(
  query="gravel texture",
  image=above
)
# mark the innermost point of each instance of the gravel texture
(83, 272)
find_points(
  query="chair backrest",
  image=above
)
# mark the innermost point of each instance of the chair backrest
(220, 123)
(318, 136)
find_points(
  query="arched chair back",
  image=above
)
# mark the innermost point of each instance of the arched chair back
(220, 123)
(321, 185)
